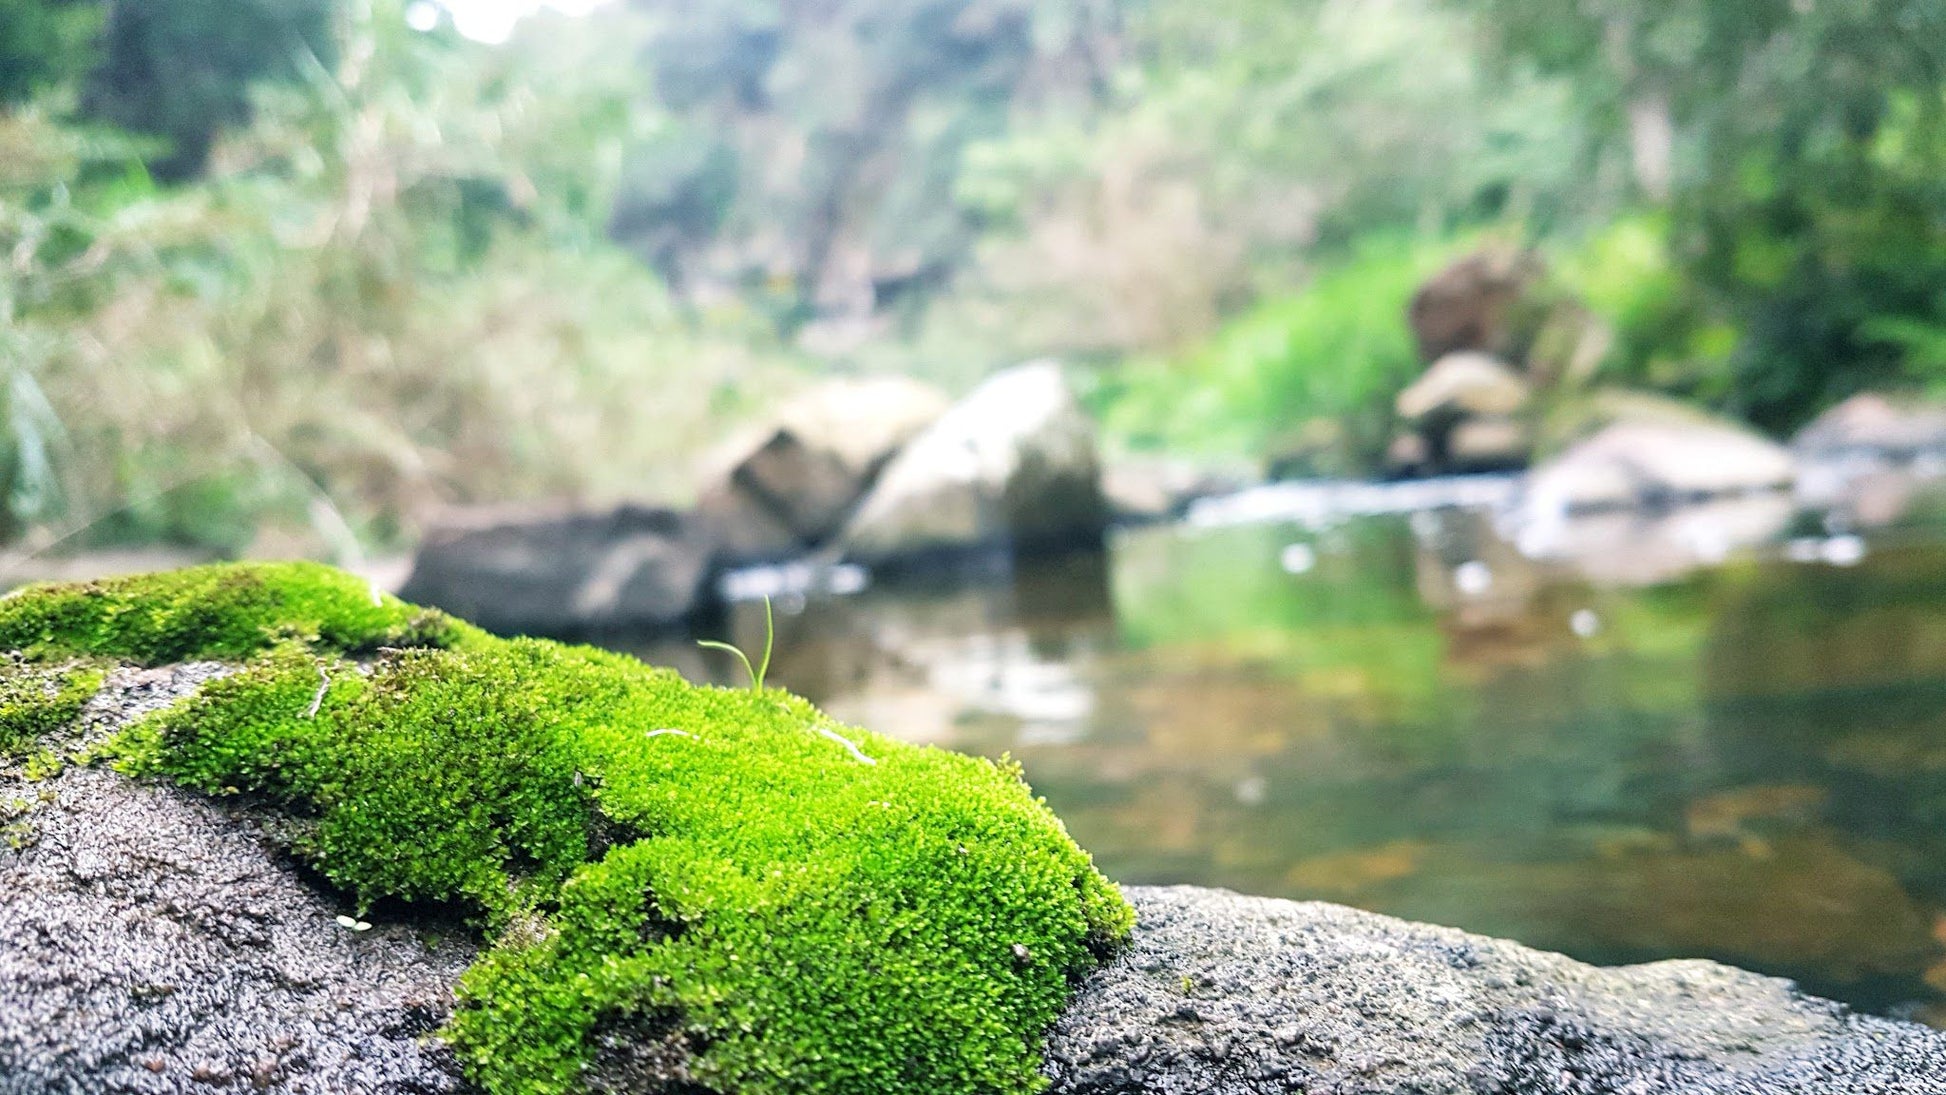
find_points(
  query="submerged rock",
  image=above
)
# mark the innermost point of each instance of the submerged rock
(1012, 466)
(553, 571)
(1220, 993)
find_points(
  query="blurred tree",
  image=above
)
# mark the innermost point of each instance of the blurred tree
(816, 147)
(44, 43)
(182, 69)
(1803, 148)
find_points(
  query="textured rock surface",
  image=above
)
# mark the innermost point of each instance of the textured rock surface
(1238, 995)
(1013, 465)
(551, 571)
(152, 941)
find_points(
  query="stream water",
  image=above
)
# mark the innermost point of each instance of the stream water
(1626, 756)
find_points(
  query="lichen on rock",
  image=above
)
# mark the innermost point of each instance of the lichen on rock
(765, 910)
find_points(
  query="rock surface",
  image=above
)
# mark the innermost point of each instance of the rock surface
(1644, 463)
(1012, 466)
(1238, 995)
(1465, 414)
(790, 484)
(1462, 385)
(1874, 427)
(154, 942)
(557, 571)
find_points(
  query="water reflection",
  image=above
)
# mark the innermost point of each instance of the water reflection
(1747, 763)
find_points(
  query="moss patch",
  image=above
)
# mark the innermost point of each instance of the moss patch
(713, 867)
(223, 611)
(36, 701)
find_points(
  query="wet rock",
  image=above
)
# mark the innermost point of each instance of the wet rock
(553, 571)
(1474, 303)
(154, 942)
(1238, 995)
(1658, 464)
(790, 484)
(1874, 428)
(1012, 466)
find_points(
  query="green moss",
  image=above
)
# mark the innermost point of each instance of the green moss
(36, 701)
(227, 610)
(653, 857)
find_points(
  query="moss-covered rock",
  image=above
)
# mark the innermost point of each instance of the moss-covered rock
(36, 701)
(226, 610)
(711, 888)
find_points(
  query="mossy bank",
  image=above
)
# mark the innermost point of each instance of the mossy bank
(723, 886)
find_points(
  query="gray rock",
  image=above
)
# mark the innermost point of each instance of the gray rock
(1012, 466)
(553, 571)
(1874, 427)
(790, 484)
(1466, 414)
(154, 942)
(1464, 385)
(1657, 463)
(1489, 443)
(1238, 995)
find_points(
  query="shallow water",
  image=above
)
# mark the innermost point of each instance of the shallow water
(1406, 713)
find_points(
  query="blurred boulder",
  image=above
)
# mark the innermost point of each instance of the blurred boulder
(1474, 303)
(1013, 466)
(1463, 385)
(1658, 464)
(1466, 413)
(1872, 427)
(790, 484)
(1489, 443)
(552, 571)
(1407, 457)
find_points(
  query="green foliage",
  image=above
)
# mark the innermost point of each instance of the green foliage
(389, 290)
(219, 611)
(810, 908)
(1337, 350)
(1807, 145)
(36, 701)
(1667, 338)
(42, 43)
